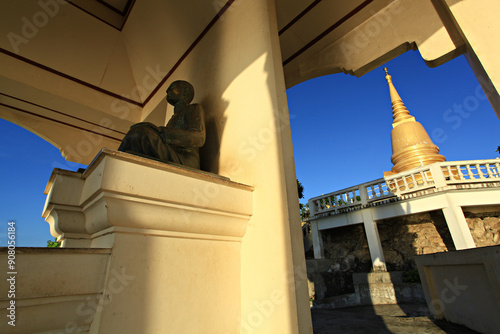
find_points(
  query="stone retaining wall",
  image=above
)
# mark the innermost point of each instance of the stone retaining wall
(485, 228)
(402, 238)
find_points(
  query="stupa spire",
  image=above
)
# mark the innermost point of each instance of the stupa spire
(411, 145)
(399, 111)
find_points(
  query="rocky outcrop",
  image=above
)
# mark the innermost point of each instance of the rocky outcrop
(484, 227)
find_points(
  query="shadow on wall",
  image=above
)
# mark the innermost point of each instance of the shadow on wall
(347, 254)
(403, 238)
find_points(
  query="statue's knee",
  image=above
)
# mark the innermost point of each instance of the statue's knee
(137, 132)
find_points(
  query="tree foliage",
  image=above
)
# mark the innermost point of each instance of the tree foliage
(304, 208)
(53, 244)
(300, 189)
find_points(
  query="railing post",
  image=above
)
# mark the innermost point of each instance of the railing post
(437, 175)
(312, 208)
(373, 239)
(363, 194)
(457, 225)
(317, 241)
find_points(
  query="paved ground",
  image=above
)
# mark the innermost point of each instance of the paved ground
(382, 319)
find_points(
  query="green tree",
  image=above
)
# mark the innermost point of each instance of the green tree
(300, 189)
(53, 244)
(304, 208)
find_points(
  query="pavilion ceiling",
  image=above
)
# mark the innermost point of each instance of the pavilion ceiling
(112, 12)
(85, 41)
(71, 61)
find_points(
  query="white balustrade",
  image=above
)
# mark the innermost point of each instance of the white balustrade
(436, 175)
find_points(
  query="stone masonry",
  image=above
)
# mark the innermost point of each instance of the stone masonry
(402, 238)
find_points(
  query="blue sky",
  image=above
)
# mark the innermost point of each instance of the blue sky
(340, 126)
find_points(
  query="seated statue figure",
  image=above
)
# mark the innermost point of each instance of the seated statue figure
(180, 139)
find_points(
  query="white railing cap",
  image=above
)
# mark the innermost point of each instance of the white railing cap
(406, 173)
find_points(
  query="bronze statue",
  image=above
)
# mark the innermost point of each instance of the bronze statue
(179, 141)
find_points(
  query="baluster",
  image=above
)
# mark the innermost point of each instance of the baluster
(423, 177)
(414, 181)
(454, 173)
(470, 173)
(479, 172)
(446, 172)
(461, 172)
(405, 183)
(489, 170)
(397, 185)
(363, 193)
(393, 185)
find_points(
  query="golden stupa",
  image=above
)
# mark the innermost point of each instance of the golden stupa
(411, 145)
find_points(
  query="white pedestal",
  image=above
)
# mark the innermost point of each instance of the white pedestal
(175, 236)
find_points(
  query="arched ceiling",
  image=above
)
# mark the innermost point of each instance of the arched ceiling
(79, 57)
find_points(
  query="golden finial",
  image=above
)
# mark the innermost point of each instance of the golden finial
(387, 75)
(399, 111)
(411, 145)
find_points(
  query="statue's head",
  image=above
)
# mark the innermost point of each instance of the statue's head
(180, 90)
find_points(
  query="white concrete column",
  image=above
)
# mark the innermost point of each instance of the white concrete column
(459, 229)
(476, 23)
(237, 72)
(373, 238)
(319, 252)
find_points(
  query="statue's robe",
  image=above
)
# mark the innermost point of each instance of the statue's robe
(179, 141)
